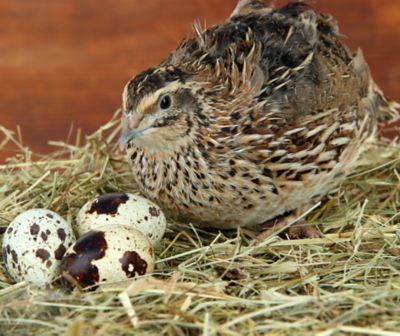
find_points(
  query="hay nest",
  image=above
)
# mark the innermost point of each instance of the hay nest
(212, 282)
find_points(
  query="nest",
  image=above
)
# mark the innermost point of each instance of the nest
(213, 282)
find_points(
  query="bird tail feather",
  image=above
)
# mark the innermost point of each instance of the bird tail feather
(388, 110)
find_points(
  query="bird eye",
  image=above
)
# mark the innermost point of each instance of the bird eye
(165, 102)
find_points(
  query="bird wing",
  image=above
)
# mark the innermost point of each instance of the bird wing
(283, 88)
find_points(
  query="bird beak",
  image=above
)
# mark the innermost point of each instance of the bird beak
(130, 126)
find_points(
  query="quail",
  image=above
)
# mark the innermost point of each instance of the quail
(251, 119)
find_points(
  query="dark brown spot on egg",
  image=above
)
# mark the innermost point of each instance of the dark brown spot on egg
(48, 263)
(61, 234)
(42, 254)
(77, 266)
(49, 215)
(48, 232)
(9, 230)
(14, 256)
(132, 264)
(5, 255)
(59, 252)
(44, 236)
(154, 211)
(35, 229)
(8, 249)
(108, 204)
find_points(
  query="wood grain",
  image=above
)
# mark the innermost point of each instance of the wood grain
(65, 62)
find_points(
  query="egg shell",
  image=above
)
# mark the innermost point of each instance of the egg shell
(34, 244)
(122, 209)
(112, 253)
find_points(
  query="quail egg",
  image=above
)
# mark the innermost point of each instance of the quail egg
(122, 209)
(34, 244)
(112, 253)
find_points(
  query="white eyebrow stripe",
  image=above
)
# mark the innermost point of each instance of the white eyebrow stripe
(149, 100)
(125, 96)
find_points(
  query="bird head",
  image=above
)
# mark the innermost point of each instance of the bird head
(160, 110)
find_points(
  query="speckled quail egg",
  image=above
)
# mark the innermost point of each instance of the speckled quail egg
(122, 209)
(34, 244)
(112, 253)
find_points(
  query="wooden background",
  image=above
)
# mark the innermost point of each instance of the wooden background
(66, 61)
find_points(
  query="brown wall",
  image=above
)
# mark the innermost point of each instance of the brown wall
(66, 61)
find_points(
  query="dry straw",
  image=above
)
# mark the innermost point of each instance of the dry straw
(209, 282)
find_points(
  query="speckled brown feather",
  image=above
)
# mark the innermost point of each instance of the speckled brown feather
(270, 111)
